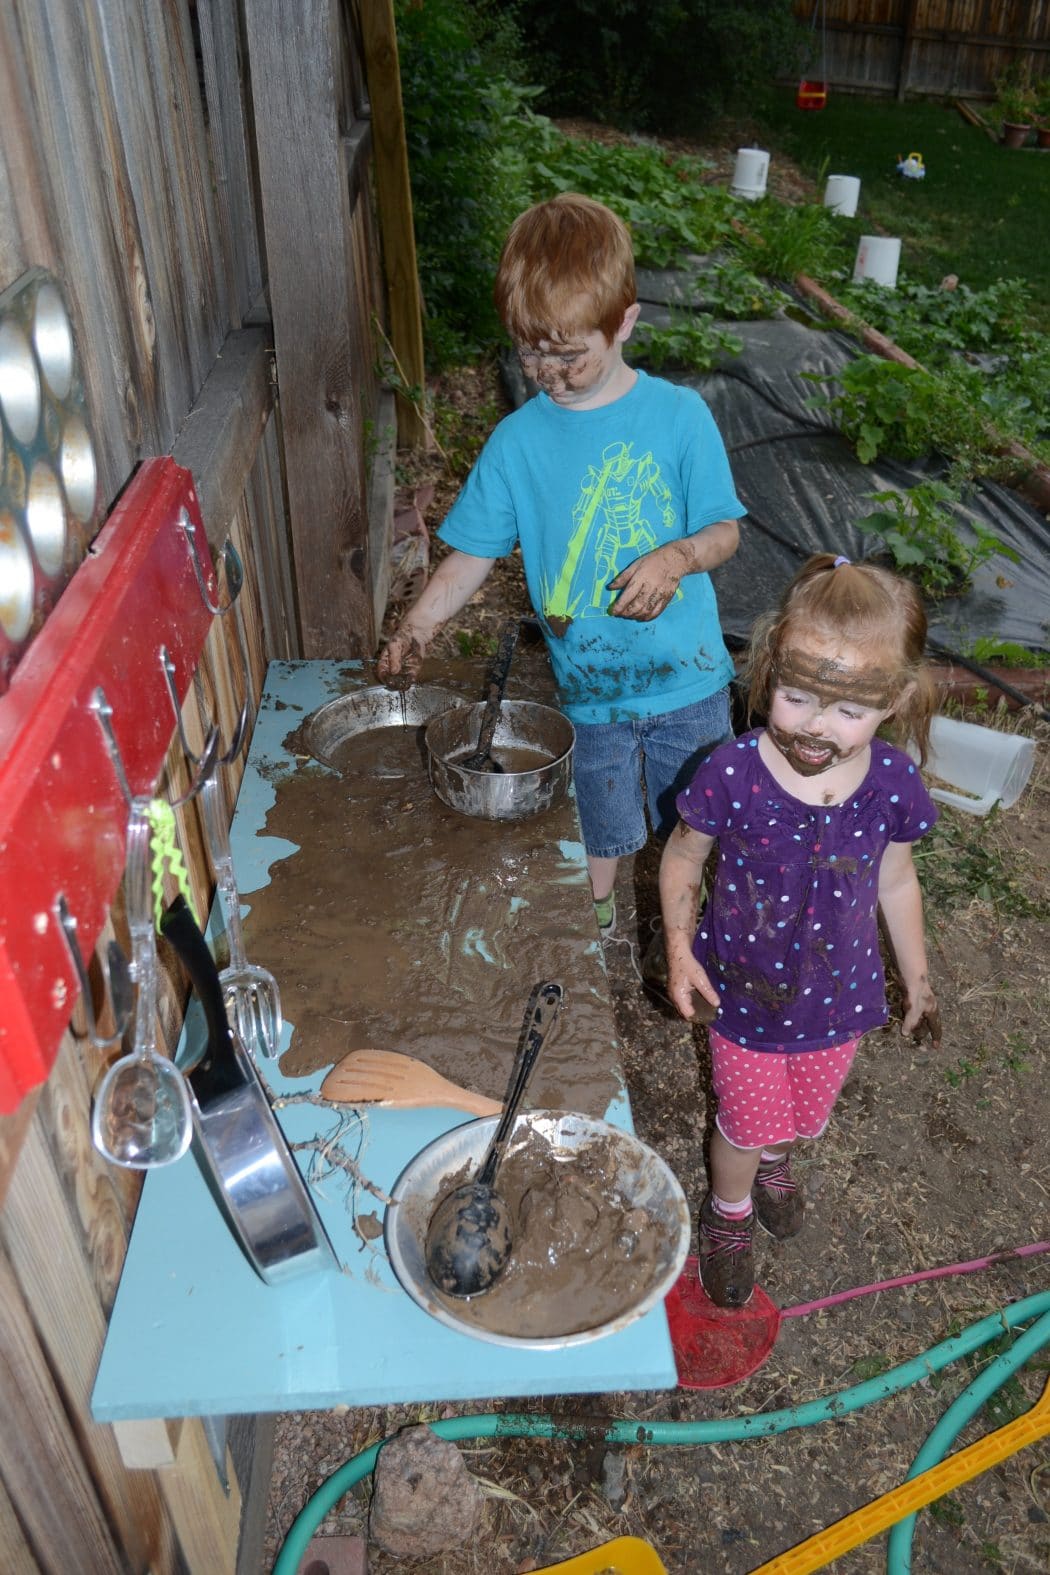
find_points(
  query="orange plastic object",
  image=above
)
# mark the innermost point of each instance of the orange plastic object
(811, 95)
(884, 1512)
(712, 1346)
(622, 1556)
(63, 815)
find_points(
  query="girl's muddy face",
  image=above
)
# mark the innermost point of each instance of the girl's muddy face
(826, 706)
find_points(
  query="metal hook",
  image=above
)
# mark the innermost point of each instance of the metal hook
(118, 979)
(205, 762)
(234, 568)
(223, 759)
(104, 712)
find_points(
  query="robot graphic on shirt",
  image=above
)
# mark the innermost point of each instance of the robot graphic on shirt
(612, 526)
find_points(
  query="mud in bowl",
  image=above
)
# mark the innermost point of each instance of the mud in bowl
(532, 743)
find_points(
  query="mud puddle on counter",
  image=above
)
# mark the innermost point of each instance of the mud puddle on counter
(402, 925)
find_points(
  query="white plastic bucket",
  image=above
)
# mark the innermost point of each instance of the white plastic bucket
(749, 173)
(982, 765)
(878, 258)
(842, 193)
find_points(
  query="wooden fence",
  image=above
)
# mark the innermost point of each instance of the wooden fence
(918, 48)
(199, 177)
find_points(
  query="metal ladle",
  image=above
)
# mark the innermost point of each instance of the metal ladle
(141, 1116)
(469, 1238)
(480, 758)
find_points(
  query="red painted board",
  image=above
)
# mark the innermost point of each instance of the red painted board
(63, 816)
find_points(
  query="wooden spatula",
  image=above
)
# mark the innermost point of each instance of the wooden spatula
(385, 1077)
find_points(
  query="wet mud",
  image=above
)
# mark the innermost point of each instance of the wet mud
(585, 1252)
(403, 925)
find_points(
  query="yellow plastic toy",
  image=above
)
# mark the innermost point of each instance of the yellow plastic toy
(884, 1512)
(622, 1556)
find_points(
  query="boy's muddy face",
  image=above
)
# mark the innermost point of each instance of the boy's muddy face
(580, 372)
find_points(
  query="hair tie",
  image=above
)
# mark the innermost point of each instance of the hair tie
(839, 561)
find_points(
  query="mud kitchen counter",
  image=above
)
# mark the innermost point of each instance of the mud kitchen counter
(390, 922)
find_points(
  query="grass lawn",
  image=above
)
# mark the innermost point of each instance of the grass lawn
(980, 212)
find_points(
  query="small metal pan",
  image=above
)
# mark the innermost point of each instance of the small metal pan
(242, 1152)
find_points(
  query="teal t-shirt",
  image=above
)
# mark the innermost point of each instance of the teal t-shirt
(586, 492)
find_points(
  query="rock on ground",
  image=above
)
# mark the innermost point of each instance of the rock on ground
(425, 1500)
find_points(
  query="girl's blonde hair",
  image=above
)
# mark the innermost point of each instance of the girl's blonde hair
(567, 268)
(862, 605)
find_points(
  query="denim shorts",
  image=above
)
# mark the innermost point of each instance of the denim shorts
(613, 759)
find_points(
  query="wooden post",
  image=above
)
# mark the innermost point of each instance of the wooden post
(907, 44)
(394, 198)
(307, 208)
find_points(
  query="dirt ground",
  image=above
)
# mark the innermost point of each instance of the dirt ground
(933, 1158)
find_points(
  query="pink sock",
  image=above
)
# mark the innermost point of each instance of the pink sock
(730, 1211)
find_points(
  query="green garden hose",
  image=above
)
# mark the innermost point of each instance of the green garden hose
(761, 1425)
(951, 1424)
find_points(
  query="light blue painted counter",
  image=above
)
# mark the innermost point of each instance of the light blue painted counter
(195, 1332)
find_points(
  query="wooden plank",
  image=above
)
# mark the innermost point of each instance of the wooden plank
(47, 1258)
(306, 216)
(41, 1464)
(225, 88)
(218, 438)
(275, 598)
(206, 1520)
(394, 196)
(13, 1129)
(18, 1555)
(97, 252)
(144, 54)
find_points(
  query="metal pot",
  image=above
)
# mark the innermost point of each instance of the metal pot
(524, 729)
(243, 1154)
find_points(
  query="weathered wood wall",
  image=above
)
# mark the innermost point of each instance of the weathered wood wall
(130, 168)
(939, 48)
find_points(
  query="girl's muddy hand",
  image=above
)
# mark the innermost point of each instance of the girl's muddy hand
(922, 1017)
(691, 991)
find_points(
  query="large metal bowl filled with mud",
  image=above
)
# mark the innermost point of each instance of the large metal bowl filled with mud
(349, 716)
(532, 743)
(600, 1230)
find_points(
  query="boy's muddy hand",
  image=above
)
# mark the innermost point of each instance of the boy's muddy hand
(646, 586)
(400, 661)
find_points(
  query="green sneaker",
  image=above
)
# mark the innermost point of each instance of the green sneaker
(727, 1269)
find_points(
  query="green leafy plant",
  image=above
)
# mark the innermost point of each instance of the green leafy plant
(1014, 98)
(888, 408)
(919, 532)
(781, 241)
(1006, 653)
(692, 340)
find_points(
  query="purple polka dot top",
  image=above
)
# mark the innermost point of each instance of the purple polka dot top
(789, 935)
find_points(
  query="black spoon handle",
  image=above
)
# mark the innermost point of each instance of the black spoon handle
(540, 1015)
(497, 682)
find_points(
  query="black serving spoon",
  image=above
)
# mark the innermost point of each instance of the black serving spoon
(480, 758)
(469, 1238)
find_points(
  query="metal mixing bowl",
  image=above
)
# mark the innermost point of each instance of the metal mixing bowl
(367, 710)
(641, 1175)
(506, 795)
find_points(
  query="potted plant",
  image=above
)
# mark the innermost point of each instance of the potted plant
(1015, 101)
(1041, 97)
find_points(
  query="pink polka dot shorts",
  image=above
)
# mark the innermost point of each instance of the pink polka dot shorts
(766, 1098)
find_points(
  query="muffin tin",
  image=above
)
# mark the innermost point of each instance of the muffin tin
(49, 503)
